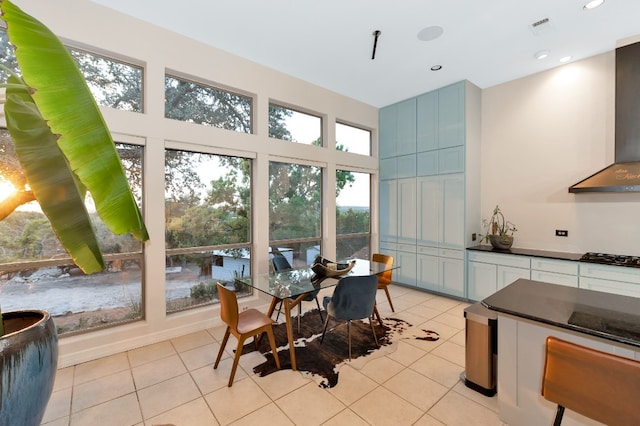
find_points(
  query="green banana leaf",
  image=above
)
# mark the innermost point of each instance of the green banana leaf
(64, 102)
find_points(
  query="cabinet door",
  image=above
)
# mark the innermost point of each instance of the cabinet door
(554, 278)
(452, 276)
(406, 271)
(429, 205)
(508, 274)
(406, 131)
(452, 211)
(482, 280)
(388, 210)
(428, 272)
(451, 128)
(427, 126)
(607, 286)
(407, 202)
(387, 136)
(388, 168)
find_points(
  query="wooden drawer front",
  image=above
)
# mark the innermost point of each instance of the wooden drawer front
(559, 266)
(407, 248)
(452, 254)
(500, 259)
(554, 278)
(615, 287)
(430, 251)
(614, 273)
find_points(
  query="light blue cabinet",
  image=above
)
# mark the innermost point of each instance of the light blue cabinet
(427, 138)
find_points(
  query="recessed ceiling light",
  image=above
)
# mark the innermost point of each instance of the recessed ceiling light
(430, 33)
(542, 54)
(565, 59)
(436, 68)
(593, 4)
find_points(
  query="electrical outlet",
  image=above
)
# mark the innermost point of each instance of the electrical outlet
(473, 236)
(562, 233)
(244, 308)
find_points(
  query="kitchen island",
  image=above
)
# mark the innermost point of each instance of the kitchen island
(529, 311)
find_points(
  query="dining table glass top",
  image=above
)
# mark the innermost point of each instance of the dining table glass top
(295, 282)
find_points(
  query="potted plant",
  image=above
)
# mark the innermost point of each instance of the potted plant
(65, 150)
(498, 230)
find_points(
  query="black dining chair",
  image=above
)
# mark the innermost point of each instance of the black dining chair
(353, 298)
(281, 264)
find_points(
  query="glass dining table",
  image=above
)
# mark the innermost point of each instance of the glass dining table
(292, 286)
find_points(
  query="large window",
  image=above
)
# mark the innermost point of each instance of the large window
(353, 139)
(294, 211)
(208, 233)
(353, 219)
(291, 125)
(36, 271)
(197, 103)
(113, 83)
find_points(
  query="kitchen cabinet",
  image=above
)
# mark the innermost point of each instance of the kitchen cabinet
(436, 188)
(562, 272)
(489, 272)
(621, 280)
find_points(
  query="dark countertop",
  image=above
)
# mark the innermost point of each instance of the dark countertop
(608, 316)
(529, 252)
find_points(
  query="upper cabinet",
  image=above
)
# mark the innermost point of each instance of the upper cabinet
(398, 129)
(441, 118)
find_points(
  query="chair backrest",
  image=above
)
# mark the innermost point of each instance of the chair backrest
(385, 277)
(598, 385)
(228, 306)
(280, 263)
(354, 297)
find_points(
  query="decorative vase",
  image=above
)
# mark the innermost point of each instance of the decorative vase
(28, 363)
(501, 242)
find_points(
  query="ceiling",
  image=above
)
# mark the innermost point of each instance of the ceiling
(329, 43)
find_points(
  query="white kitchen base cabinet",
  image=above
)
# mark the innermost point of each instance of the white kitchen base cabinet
(489, 272)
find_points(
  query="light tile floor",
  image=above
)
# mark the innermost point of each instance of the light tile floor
(173, 382)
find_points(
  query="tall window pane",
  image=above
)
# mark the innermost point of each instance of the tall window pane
(290, 125)
(36, 271)
(294, 211)
(353, 219)
(207, 233)
(201, 104)
(353, 139)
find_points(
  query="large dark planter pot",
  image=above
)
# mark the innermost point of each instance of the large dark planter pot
(28, 363)
(503, 242)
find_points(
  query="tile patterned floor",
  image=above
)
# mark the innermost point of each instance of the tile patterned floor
(173, 382)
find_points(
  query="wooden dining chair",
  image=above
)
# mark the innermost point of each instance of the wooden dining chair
(384, 278)
(353, 299)
(242, 325)
(601, 386)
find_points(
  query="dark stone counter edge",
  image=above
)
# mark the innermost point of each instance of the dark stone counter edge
(552, 304)
(583, 330)
(529, 252)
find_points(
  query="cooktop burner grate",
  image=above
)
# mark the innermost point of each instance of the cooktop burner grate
(611, 259)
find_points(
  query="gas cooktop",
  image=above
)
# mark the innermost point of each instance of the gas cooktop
(611, 259)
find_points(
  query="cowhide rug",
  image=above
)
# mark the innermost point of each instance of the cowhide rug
(324, 360)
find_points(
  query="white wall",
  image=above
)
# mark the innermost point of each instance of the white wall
(84, 24)
(544, 133)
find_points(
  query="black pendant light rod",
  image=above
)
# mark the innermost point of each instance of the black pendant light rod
(376, 34)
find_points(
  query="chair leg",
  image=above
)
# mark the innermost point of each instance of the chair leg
(373, 330)
(386, 290)
(319, 310)
(377, 314)
(222, 345)
(559, 414)
(274, 348)
(236, 358)
(349, 334)
(324, 329)
(279, 309)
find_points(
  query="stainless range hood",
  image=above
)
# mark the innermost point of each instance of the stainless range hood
(624, 174)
